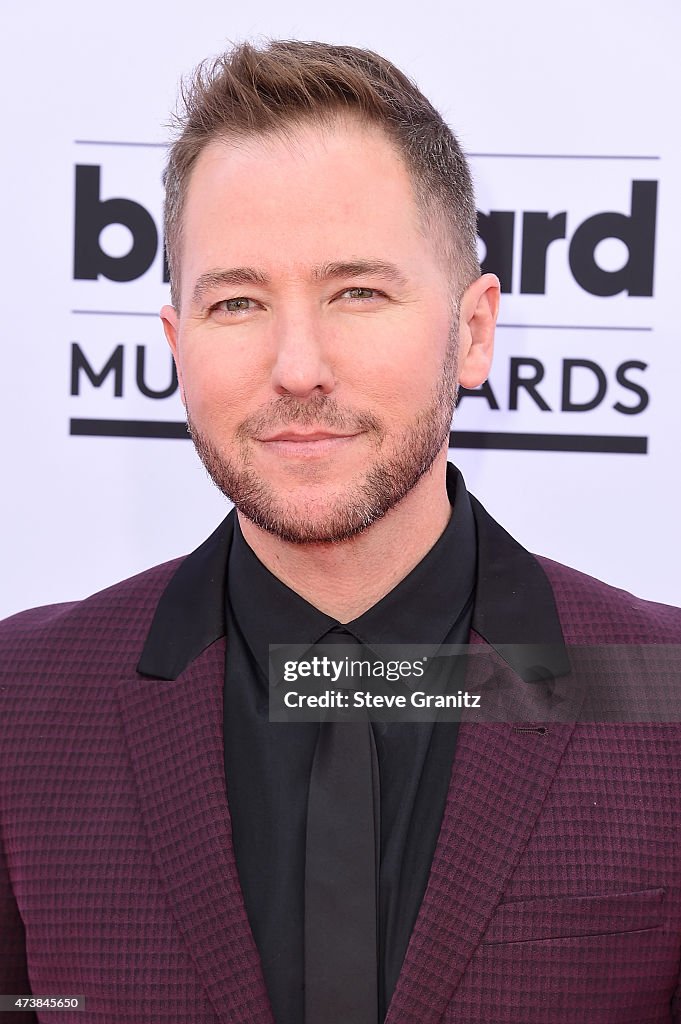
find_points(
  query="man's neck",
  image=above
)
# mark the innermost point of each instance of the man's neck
(344, 579)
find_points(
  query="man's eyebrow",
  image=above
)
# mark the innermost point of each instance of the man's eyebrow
(359, 268)
(219, 278)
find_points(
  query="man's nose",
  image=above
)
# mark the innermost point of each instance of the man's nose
(302, 362)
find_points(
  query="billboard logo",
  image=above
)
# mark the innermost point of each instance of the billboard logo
(497, 229)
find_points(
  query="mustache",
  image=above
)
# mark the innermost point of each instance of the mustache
(318, 411)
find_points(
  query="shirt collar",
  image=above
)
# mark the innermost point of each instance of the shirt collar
(420, 609)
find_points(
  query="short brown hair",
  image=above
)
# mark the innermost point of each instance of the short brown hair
(249, 91)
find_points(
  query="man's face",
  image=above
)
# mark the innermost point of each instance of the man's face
(315, 346)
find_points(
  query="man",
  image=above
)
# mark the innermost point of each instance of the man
(163, 843)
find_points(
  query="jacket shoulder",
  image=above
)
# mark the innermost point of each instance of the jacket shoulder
(39, 640)
(591, 611)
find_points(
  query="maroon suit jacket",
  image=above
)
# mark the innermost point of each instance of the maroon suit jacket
(555, 889)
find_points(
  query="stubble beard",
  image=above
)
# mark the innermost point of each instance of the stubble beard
(383, 485)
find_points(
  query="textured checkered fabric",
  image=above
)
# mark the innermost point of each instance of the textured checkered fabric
(555, 890)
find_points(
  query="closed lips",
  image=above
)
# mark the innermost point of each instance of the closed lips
(305, 437)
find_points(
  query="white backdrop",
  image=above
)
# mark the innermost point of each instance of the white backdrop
(565, 108)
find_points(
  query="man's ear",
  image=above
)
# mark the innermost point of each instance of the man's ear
(477, 319)
(171, 324)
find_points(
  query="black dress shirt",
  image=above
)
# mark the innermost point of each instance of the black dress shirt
(268, 764)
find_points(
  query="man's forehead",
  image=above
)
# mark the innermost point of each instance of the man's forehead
(289, 207)
(306, 150)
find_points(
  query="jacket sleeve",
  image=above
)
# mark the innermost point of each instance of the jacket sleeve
(13, 965)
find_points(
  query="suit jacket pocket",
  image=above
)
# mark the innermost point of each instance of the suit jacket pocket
(572, 916)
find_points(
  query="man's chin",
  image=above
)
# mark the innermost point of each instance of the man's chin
(303, 524)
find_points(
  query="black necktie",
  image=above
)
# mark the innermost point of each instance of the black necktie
(341, 872)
